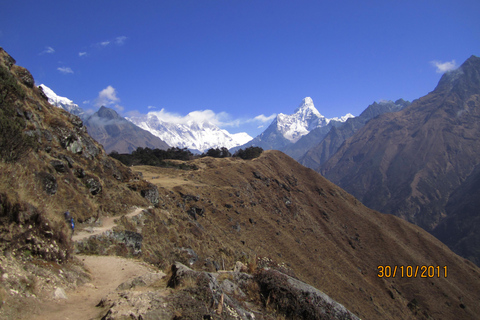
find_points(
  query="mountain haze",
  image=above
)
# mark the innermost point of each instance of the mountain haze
(419, 163)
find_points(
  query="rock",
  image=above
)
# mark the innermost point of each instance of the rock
(195, 211)
(151, 194)
(80, 173)
(59, 166)
(93, 185)
(240, 267)
(25, 76)
(60, 294)
(68, 159)
(48, 182)
(142, 281)
(296, 299)
(131, 239)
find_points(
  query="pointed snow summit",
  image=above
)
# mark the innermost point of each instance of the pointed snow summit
(286, 130)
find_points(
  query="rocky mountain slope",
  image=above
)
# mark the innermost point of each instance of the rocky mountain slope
(193, 134)
(108, 128)
(49, 164)
(325, 144)
(421, 163)
(235, 210)
(284, 132)
(115, 133)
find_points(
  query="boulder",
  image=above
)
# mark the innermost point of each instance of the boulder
(25, 76)
(60, 294)
(59, 166)
(151, 194)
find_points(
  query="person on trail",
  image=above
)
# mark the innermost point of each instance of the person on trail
(67, 216)
(72, 224)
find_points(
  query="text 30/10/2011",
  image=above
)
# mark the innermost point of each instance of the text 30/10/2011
(412, 271)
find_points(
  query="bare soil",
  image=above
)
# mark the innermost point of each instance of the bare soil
(107, 272)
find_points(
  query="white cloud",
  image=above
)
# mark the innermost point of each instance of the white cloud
(120, 40)
(221, 119)
(443, 67)
(105, 43)
(263, 118)
(48, 50)
(86, 102)
(81, 54)
(65, 70)
(107, 96)
(119, 108)
(151, 107)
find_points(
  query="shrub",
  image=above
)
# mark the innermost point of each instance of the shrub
(249, 153)
(218, 153)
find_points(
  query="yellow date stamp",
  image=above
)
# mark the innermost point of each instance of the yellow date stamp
(412, 271)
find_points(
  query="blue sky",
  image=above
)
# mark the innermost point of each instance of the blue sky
(239, 59)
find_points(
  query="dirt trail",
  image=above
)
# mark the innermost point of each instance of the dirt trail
(108, 224)
(107, 273)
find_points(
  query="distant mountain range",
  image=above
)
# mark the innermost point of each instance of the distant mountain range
(198, 136)
(286, 130)
(321, 144)
(422, 163)
(124, 135)
(109, 129)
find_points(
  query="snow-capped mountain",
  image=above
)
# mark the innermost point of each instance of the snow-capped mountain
(62, 102)
(305, 118)
(107, 127)
(288, 129)
(190, 134)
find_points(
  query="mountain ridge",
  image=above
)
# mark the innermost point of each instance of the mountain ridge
(409, 163)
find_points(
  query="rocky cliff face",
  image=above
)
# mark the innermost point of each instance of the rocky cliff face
(410, 163)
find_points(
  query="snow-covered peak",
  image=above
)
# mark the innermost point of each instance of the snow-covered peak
(342, 118)
(193, 134)
(53, 98)
(305, 119)
(62, 102)
(307, 107)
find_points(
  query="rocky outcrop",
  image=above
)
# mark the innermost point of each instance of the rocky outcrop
(267, 294)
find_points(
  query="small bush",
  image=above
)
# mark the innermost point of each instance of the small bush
(249, 153)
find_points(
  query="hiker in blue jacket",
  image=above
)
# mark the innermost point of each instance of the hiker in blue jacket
(72, 223)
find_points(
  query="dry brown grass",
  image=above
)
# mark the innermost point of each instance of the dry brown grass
(307, 226)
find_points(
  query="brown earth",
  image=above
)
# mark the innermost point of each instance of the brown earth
(232, 209)
(107, 272)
